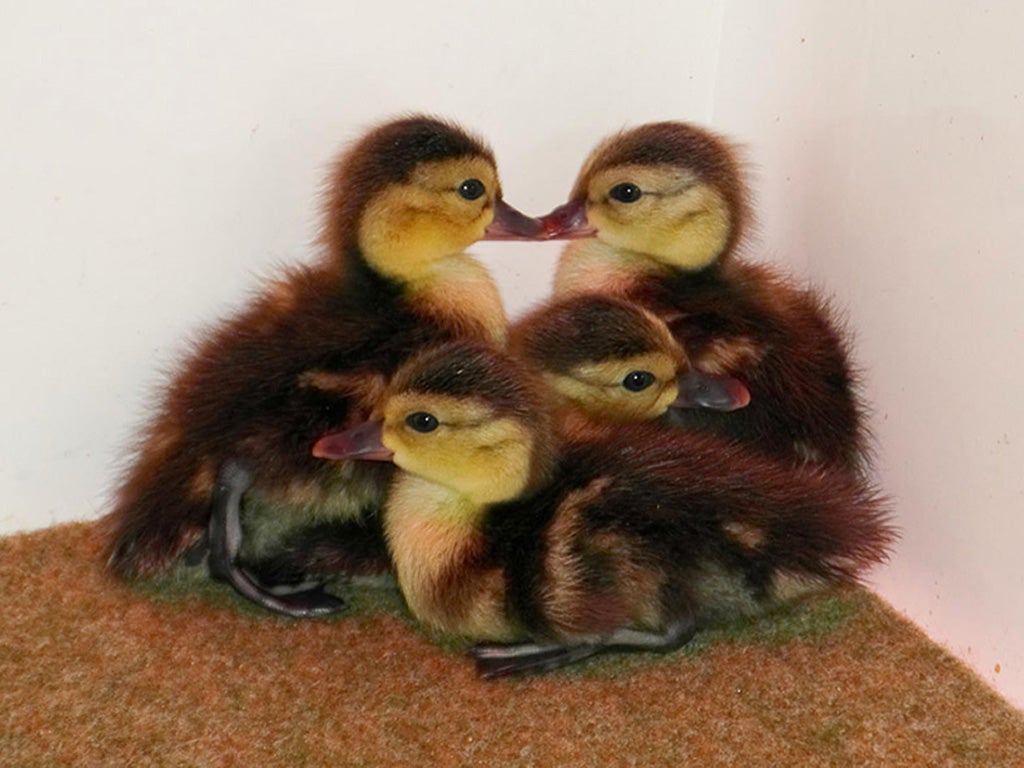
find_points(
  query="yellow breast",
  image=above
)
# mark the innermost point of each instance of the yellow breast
(592, 266)
(437, 548)
(461, 290)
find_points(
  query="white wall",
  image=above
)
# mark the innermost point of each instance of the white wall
(156, 157)
(890, 140)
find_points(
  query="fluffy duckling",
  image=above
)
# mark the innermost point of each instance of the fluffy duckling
(312, 354)
(607, 360)
(629, 541)
(663, 209)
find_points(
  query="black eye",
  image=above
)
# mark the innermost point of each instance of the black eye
(625, 192)
(638, 381)
(471, 189)
(422, 421)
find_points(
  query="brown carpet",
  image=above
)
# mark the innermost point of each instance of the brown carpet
(96, 673)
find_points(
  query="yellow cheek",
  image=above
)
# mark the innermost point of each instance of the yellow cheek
(613, 403)
(664, 399)
(597, 390)
(404, 230)
(486, 463)
(687, 231)
(642, 406)
(704, 232)
(481, 223)
(500, 472)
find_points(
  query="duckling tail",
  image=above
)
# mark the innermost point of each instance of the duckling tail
(160, 512)
(839, 529)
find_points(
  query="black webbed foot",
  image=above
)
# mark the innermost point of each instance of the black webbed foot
(497, 660)
(225, 541)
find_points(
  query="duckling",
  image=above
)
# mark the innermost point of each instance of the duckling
(607, 360)
(312, 353)
(548, 552)
(662, 211)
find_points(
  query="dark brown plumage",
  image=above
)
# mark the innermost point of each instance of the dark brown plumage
(562, 335)
(631, 539)
(673, 250)
(643, 528)
(313, 351)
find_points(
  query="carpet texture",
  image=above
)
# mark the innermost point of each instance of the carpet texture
(178, 672)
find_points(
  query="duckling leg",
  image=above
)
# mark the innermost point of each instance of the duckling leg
(225, 536)
(496, 660)
(676, 635)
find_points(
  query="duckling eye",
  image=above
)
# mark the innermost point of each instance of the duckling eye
(471, 189)
(638, 381)
(625, 192)
(422, 421)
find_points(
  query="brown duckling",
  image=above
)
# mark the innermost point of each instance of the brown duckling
(550, 552)
(312, 354)
(662, 210)
(607, 360)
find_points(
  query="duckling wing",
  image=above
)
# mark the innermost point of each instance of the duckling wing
(786, 343)
(750, 511)
(685, 505)
(261, 388)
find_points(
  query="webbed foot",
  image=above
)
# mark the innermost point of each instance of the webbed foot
(498, 660)
(225, 542)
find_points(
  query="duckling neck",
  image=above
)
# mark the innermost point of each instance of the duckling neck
(439, 550)
(455, 290)
(594, 266)
(461, 290)
(571, 422)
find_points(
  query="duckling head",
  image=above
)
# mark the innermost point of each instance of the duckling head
(416, 190)
(602, 356)
(461, 415)
(616, 362)
(669, 191)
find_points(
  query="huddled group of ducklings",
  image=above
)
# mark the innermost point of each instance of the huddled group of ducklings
(673, 440)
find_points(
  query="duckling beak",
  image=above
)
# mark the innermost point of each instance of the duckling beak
(568, 222)
(715, 393)
(510, 224)
(362, 443)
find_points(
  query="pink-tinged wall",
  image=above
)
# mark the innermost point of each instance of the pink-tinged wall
(889, 140)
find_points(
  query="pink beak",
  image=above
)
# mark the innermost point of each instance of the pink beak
(715, 393)
(568, 222)
(510, 224)
(362, 443)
